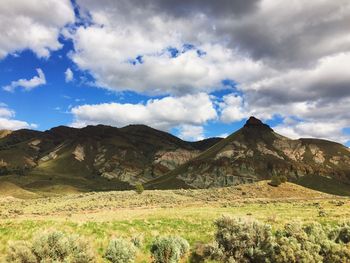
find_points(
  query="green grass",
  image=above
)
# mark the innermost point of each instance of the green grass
(195, 225)
(188, 213)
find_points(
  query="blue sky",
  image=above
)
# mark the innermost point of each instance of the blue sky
(196, 71)
(49, 105)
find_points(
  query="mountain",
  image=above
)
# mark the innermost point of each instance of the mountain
(92, 158)
(256, 152)
(102, 157)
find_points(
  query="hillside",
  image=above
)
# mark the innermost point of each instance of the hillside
(101, 216)
(92, 158)
(101, 157)
(256, 152)
(11, 190)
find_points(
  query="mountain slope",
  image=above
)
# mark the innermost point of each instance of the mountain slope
(256, 152)
(92, 156)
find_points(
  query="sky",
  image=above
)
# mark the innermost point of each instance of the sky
(195, 68)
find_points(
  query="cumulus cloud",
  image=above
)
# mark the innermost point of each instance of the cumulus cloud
(291, 34)
(68, 75)
(27, 84)
(165, 113)
(191, 132)
(310, 129)
(8, 123)
(129, 60)
(288, 59)
(33, 25)
(232, 108)
(317, 119)
(159, 53)
(5, 112)
(327, 79)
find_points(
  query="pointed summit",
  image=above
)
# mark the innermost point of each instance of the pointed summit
(253, 122)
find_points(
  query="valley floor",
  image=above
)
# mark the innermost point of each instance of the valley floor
(188, 213)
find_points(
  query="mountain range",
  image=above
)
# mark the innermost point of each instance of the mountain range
(101, 157)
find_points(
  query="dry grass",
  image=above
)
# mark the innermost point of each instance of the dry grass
(188, 213)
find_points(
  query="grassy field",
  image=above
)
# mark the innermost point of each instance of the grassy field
(188, 213)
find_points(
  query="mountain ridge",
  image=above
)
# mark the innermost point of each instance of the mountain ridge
(134, 153)
(255, 152)
(103, 157)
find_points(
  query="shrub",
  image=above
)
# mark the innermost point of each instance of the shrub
(322, 213)
(246, 241)
(284, 179)
(137, 241)
(243, 241)
(139, 188)
(169, 249)
(20, 252)
(343, 234)
(296, 243)
(275, 180)
(51, 246)
(120, 250)
(202, 252)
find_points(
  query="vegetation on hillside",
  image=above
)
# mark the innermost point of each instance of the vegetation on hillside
(277, 180)
(100, 217)
(254, 242)
(235, 240)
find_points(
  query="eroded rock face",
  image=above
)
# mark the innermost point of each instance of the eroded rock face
(52, 155)
(79, 153)
(258, 153)
(172, 159)
(292, 149)
(318, 155)
(130, 166)
(3, 163)
(262, 148)
(35, 144)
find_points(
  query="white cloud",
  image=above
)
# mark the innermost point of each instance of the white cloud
(33, 24)
(232, 109)
(315, 29)
(113, 63)
(114, 66)
(5, 112)
(8, 123)
(328, 78)
(301, 72)
(68, 75)
(317, 119)
(191, 132)
(165, 113)
(310, 129)
(27, 84)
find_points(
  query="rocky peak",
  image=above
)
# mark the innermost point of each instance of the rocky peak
(255, 123)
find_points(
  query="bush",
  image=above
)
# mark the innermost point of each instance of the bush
(296, 243)
(343, 234)
(246, 241)
(275, 180)
(139, 188)
(169, 249)
(202, 252)
(243, 241)
(284, 179)
(51, 246)
(20, 252)
(120, 250)
(137, 241)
